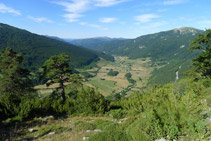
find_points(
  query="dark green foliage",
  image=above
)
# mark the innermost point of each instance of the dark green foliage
(87, 102)
(167, 73)
(15, 84)
(110, 136)
(113, 73)
(91, 102)
(118, 113)
(36, 49)
(203, 62)
(57, 70)
(91, 43)
(174, 110)
(136, 131)
(129, 78)
(14, 79)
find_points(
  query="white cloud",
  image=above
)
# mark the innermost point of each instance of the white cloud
(40, 19)
(75, 8)
(72, 17)
(6, 9)
(108, 20)
(144, 18)
(107, 3)
(173, 2)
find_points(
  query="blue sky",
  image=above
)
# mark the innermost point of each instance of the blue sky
(112, 18)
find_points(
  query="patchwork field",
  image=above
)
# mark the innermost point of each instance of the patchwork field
(139, 68)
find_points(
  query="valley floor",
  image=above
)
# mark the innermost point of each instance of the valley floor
(139, 68)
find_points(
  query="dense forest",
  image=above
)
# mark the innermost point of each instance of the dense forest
(36, 49)
(178, 110)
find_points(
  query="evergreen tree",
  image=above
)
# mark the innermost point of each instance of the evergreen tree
(15, 84)
(57, 70)
(14, 79)
(203, 61)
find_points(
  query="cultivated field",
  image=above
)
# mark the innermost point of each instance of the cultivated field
(139, 68)
(107, 85)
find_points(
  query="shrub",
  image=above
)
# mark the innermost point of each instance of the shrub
(91, 102)
(113, 73)
(117, 113)
(110, 136)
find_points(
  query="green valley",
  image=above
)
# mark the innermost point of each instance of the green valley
(144, 89)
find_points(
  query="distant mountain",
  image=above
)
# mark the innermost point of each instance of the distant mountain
(36, 48)
(168, 48)
(92, 43)
(56, 38)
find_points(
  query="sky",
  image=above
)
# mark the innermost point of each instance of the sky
(97, 18)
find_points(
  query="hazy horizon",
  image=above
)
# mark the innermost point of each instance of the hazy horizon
(79, 19)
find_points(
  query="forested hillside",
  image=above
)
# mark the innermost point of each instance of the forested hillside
(168, 49)
(92, 43)
(36, 49)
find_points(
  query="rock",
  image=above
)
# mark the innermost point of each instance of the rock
(123, 119)
(119, 122)
(70, 128)
(32, 130)
(162, 139)
(97, 130)
(85, 138)
(88, 131)
(209, 118)
(51, 133)
(51, 117)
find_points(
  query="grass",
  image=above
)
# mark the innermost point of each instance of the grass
(108, 85)
(72, 128)
(104, 86)
(139, 68)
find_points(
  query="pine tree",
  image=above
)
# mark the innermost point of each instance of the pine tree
(57, 70)
(15, 83)
(203, 61)
(14, 79)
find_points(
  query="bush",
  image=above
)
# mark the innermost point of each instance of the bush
(87, 101)
(110, 136)
(117, 114)
(91, 102)
(101, 124)
(113, 73)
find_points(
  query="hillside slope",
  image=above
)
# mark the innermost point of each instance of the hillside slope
(36, 49)
(92, 43)
(168, 49)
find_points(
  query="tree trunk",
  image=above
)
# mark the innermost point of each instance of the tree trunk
(63, 91)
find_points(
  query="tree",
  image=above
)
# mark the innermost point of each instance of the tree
(203, 61)
(57, 70)
(14, 79)
(15, 83)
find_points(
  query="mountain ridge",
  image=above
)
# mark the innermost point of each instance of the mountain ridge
(38, 48)
(168, 49)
